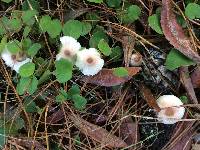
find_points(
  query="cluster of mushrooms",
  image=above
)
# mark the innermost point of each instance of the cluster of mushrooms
(89, 62)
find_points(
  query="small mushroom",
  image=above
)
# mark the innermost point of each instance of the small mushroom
(136, 59)
(69, 48)
(171, 109)
(15, 61)
(89, 61)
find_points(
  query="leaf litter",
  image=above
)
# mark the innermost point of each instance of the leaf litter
(124, 106)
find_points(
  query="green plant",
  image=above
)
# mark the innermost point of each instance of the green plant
(175, 59)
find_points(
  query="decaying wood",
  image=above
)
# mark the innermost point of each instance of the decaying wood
(174, 32)
(97, 133)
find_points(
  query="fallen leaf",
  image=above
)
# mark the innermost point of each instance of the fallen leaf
(55, 117)
(182, 136)
(195, 77)
(97, 133)
(129, 131)
(28, 143)
(148, 96)
(174, 32)
(187, 83)
(106, 77)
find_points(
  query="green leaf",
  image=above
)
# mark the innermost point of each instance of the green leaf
(33, 3)
(154, 23)
(96, 1)
(28, 17)
(26, 31)
(130, 14)
(7, 1)
(74, 90)
(93, 17)
(44, 22)
(14, 46)
(32, 51)
(79, 101)
(62, 97)
(45, 76)
(120, 72)
(30, 105)
(73, 28)
(15, 24)
(86, 28)
(181, 21)
(176, 59)
(28, 84)
(3, 43)
(104, 47)
(4, 25)
(54, 28)
(184, 99)
(116, 53)
(96, 37)
(33, 85)
(63, 70)
(26, 43)
(2, 29)
(192, 11)
(113, 3)
(27, 69)
(23, 85)
(2, 138)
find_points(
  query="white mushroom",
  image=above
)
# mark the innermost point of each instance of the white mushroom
(89, 61)
(168, 113)
(15, 61)
(69, 48)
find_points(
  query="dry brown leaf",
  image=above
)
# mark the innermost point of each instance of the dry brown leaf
(148, 96)
(55, 117)
(181, 138)
(97, 133)
(129, 131)
(106, 77)
(28, 144)
(187, 83)
(174, 32)
(195, 77)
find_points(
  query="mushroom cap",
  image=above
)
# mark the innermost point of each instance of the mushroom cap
(89, 61)
(136, 59)
(169, 114)
(10, 62)
(69, 48)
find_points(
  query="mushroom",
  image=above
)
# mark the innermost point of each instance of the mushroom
(171, 109)
(69, 48)
(136, 59)
(15, 61)
(89, 61)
